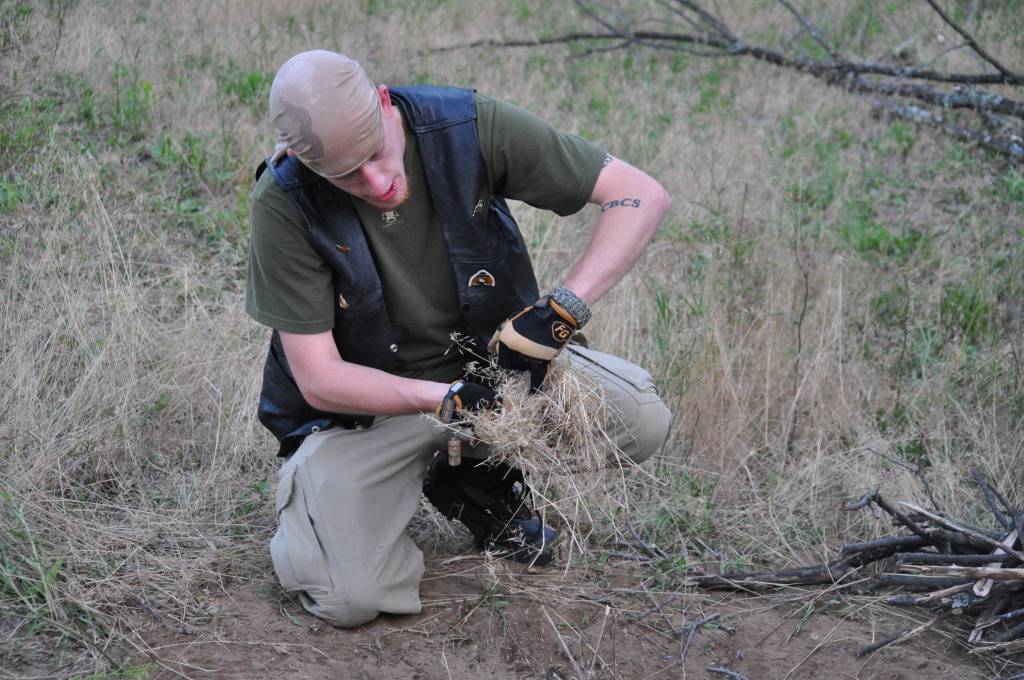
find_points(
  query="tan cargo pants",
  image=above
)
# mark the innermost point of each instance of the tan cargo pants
(345, 497)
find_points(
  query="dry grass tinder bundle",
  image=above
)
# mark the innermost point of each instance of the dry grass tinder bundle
(560, 430)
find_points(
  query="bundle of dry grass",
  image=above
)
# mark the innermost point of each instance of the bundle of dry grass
(560, 436)
(559, 430)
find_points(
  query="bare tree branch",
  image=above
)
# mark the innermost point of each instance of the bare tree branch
(1010, 147)
(832, 69)
(709, 19)
(682, 15)
(990, 499)
(972, 42)
(960, 99)
(713, 38)
(954, 526)
(586, 8)
(811, 29)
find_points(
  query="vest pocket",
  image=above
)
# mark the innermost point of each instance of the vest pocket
(300, 560)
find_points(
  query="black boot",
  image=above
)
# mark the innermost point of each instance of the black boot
(492, 500)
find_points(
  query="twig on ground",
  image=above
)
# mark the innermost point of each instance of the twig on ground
(993, 573)
(918, 581)
(686, 645)
(652, 550)
(654, 610)
(726, 672)
(565, 648)
(697, 624)
(945, 592)
(900, 637)
(597, 645)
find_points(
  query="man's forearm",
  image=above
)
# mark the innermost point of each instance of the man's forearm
(331, 384)
(343, 387)
(631, 210)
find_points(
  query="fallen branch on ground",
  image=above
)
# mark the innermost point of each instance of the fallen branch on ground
(966, 572)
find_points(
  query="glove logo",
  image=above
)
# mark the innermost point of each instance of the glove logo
(561, 331)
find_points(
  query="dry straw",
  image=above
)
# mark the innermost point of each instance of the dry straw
(560, 437)
(559, 430)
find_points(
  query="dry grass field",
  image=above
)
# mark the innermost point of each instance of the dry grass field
(834, 300)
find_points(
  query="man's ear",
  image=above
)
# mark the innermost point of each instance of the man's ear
(385, 100)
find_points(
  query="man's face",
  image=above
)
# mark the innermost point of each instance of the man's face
(381, 180)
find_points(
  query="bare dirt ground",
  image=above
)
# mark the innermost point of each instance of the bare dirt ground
(485, 619)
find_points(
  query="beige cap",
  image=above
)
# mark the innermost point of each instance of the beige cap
(327, 111)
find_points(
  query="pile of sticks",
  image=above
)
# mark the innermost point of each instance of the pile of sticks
(945, 565)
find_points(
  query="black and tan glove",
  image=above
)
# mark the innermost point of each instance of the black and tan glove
(466, 397)
(532, 338)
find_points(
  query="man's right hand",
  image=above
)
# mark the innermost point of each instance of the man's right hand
(466, 397)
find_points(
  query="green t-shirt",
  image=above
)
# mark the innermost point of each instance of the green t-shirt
(289, 284)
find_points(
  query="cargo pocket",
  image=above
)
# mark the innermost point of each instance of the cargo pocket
(630, 378)
(298, 555)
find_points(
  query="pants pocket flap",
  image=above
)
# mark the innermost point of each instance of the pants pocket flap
(299, 558)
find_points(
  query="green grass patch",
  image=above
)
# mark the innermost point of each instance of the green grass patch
(242, 87)
(965, 311)
(1013, 187)
(870, 237)
(687, 511)
(132, 104)
(860, 25)
(30, 576)
(898, 141)
(818, 190)
(890, 307)
(13, 193)
(714, 94)
(140, 672)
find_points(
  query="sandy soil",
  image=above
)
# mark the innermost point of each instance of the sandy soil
(485, 619)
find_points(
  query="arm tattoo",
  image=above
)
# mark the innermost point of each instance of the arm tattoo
(607, 160)
(621, 203)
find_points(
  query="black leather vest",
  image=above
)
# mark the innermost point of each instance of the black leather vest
(487, 254)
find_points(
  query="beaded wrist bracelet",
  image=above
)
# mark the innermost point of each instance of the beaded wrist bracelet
(572, 304)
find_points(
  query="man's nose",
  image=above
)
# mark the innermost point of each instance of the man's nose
(374, 179)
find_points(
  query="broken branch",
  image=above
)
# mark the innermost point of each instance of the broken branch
(949, 524)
